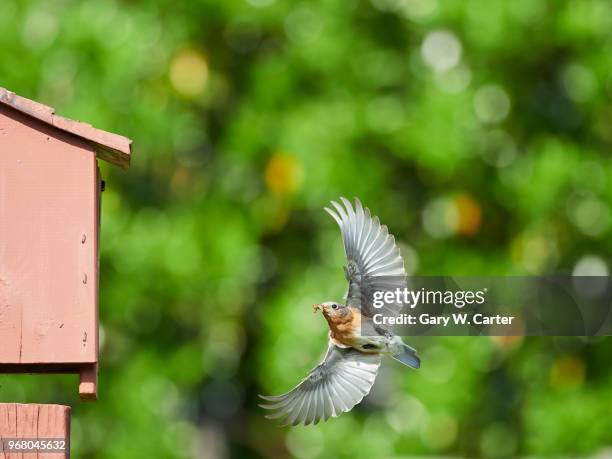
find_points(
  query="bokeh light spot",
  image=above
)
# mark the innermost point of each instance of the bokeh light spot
(579, 82)
(189, 73)
(590, 265)
(303, 24)
(160, 395)
(441, 50)
(454, 81)
(567, 372)
(441, 364)
(417, 10)
(590, 276)
(589, 214)
(439, 432)
(510, 341)
(40, 29)
(406, 414)
(491, 104)
(536, 253)
(469, 212)
(440, 217)
(305, 443)
(450, 215)
(283, 174)
(498, 148)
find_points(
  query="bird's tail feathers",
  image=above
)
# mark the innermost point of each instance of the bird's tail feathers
(408, 356)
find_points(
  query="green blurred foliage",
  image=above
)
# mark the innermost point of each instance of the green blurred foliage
(479, 132)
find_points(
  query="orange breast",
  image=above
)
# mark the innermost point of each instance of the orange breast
(343, 329)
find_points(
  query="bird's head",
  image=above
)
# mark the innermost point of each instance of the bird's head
(329, 308)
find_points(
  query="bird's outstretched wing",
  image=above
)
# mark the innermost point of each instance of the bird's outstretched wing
(374, 262)
(333, 387)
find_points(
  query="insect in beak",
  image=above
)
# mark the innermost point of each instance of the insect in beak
(317, 307)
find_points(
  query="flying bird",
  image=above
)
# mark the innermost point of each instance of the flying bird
(355, 345)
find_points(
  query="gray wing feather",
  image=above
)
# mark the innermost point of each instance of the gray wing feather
(333, 387)
(374, 262)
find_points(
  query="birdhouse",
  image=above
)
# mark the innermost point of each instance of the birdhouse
(50, 193)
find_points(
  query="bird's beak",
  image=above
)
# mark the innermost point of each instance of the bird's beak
(317, 307)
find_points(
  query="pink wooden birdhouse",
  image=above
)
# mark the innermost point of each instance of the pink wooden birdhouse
(50, 191)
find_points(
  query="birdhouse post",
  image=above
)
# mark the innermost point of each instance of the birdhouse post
(50, 195)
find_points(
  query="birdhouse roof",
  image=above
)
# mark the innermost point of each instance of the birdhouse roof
(110, 147)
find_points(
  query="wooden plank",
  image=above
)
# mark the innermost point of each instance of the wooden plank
(32, 422)
(48, 244)
(110, 147)
(88, 385)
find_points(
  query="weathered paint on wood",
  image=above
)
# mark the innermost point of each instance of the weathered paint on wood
(110, 147)
(31, 422)
(49, 203)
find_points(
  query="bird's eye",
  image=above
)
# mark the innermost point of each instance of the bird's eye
(334, 306)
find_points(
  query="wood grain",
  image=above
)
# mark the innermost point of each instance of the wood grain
(34, 421)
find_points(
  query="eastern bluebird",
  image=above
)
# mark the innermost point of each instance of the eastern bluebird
(356, 345)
